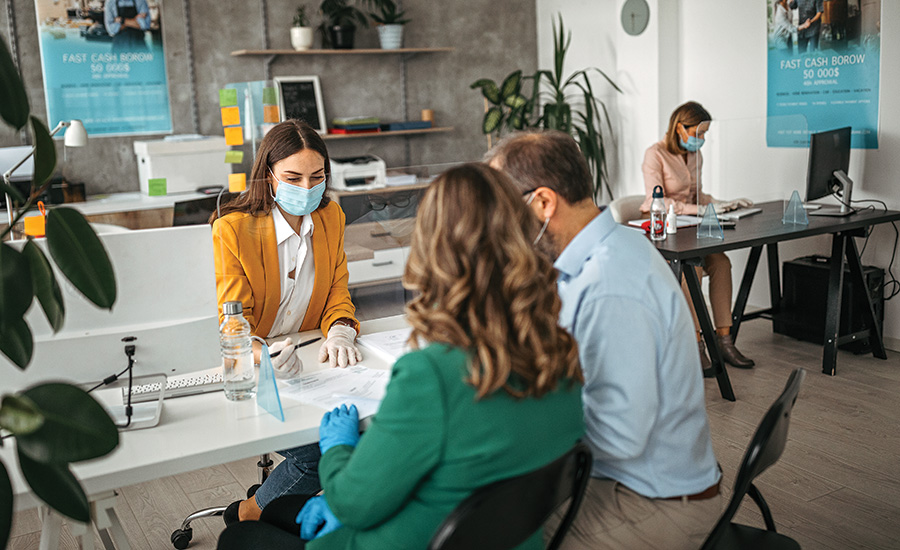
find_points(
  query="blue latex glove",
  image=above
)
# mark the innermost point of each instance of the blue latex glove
(315, 519)
(339, 427)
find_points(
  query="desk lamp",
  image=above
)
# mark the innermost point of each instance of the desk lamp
(76, 136)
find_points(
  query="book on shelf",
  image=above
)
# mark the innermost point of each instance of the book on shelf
(345, 131)
(406, 125)
(355, 120)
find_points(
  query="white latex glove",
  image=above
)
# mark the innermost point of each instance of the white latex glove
(287, 363)
(743, 203)
(338, 348)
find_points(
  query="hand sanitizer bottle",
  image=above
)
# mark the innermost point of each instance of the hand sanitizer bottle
(671, 220)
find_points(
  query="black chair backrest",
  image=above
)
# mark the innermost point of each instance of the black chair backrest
(765, 448)
(506, 513)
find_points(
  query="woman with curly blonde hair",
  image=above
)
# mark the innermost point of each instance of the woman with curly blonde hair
(495, 393)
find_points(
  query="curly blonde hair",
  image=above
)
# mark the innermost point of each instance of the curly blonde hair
(482, 286)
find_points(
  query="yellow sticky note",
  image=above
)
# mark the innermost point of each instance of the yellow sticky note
(270, 113)
(237, 182)
(231, 116)
(35, 225)
(234, 157)
(234, 136)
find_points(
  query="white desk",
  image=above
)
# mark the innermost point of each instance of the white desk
(194, 432)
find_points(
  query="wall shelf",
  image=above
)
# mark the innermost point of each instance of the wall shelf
(441, 129)
(404, 51)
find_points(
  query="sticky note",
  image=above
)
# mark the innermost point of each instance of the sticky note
(156, 187)
(234, 157)
(35, 226)
(231, 116)
(234, 136)
(237, 182)
(227, 97)
(269, 97)
(270, 113)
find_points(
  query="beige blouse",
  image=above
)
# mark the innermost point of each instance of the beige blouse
(679, 179)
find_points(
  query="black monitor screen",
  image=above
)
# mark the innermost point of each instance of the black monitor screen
(198, 211)
(828, 152)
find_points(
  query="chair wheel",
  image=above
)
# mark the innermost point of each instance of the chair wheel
(181, 538)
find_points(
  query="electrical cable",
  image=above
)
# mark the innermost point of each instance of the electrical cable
(892, 281)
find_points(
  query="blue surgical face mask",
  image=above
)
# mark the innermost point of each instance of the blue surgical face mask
(693, 143)
(295, 200)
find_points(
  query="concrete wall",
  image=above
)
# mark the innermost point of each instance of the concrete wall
(715, 52)
(491, 38)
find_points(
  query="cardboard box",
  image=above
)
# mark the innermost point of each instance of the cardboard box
(186, 164)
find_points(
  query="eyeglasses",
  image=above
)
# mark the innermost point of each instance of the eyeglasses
(530, 191)
(400, 200)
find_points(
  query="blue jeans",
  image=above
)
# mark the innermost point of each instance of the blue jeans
(298, 474)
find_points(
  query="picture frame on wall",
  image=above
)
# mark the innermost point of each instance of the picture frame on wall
(301, 97)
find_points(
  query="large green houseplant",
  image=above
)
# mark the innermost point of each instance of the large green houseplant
(558, 102)
(54, 424)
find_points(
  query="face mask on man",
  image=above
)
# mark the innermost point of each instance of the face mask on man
(295, 200)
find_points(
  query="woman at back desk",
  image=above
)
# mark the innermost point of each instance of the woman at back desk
(279, 250)
(674, 164)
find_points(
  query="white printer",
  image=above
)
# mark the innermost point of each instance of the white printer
(363, 172)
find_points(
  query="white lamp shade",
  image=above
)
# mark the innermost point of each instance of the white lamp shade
(76, 135)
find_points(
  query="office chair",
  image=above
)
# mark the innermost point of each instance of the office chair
(505, 513)
(625, 209)
(182, 536)
(764, 450)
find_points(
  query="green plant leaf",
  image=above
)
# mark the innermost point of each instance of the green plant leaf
(511, 85)
(75, 426)
(515, 101)
(43, 281)
(80, 256)
(44, 154)
(20, 415)
(13, 99)
(55, 485)
(489, 89)
(11, 190)
(6, 506)
(492, 119)
(16, 294)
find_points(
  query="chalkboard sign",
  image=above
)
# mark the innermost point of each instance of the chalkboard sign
(300, 97)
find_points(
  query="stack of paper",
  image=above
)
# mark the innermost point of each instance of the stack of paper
(390, 345)
(329, 388)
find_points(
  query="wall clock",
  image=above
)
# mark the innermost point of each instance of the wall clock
(635, 16)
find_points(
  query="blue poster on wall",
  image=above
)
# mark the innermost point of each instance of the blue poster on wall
(104, 63)
(823, 64)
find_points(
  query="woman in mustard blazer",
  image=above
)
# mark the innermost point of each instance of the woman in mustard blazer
(495, 393)
(279, 250)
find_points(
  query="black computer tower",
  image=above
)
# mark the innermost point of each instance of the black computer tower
(804, 301)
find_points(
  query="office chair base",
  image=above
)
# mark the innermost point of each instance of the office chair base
(181, 538)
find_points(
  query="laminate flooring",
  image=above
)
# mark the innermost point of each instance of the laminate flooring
(837, 486)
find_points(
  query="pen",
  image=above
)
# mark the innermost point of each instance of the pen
(300, 345)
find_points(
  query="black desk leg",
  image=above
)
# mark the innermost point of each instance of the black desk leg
(859, 279)
(737, 313)
(715, 355)
(676, 269)
(833, 307)
(774, 277)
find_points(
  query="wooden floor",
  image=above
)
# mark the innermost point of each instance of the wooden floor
(836, 487)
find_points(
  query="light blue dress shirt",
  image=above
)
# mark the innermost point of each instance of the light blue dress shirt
(643, 392)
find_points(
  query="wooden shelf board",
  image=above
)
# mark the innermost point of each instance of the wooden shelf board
(389, 134)
(379, 51)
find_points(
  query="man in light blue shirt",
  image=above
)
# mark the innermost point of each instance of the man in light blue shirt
(655, 481)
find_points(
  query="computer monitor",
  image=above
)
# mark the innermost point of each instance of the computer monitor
(198, 211)
(829, 162)
(166, 299)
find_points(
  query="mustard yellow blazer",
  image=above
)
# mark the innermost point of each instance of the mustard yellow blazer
(246, 256)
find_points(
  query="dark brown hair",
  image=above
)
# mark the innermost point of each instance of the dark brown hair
(688, 114)
(544, 158)
(282, 141)
(482, 286)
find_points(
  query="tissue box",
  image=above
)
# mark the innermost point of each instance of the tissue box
(186, 163)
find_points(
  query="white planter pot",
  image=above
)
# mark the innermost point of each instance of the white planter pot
(390, 36)
(302, 38)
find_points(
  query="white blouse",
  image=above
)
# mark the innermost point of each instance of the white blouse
(294, 254)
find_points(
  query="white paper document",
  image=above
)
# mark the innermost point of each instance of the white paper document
(329, 388)
(390, 345)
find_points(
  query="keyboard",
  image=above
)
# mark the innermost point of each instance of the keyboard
(740, 213)
(178, 386)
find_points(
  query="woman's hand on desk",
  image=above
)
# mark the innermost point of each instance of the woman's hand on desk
(339, 349)
(339, 427)
(287, 363)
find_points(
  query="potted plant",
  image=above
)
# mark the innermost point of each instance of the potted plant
(339, 24)
(54, 424)
(390, 25)
(301, 33)
(557, 102)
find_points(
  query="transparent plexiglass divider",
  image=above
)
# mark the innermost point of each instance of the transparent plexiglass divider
(378, 234)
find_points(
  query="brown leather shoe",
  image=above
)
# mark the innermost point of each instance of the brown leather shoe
(705, 363)
(730, 353)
